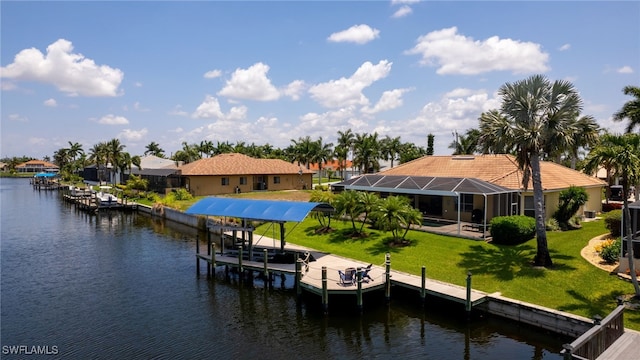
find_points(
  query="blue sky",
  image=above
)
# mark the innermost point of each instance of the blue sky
(268, 72)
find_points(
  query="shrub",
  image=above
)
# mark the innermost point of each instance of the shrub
(613, 222)
(610, 251)
(569, 202)
(512, 230)
(181, 194)
(552, 225)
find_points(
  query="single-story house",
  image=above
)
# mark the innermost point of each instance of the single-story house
(475, 188)
(229, 173)
(162, 174)
(37, 166)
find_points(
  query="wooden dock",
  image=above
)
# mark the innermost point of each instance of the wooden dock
(91, 204)
(321, 276)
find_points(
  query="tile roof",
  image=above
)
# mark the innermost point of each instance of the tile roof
(31, 163)
(331, 165)
(240, 164)
(501, 170)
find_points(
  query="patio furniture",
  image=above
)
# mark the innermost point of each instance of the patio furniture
(347, 277)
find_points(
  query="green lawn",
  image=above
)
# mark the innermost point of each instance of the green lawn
(572, 285)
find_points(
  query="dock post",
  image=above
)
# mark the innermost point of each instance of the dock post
(468, 302)
(266, 264)
(387, 289)
(298, 277)
(208, 253)
(359, 290)
(213, 259)
(423, 291)
(240, 255)
(197, 253)
(325, 291)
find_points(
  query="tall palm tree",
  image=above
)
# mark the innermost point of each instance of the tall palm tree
(205, 148)
(587, 132)
(342, 149)
(622, 152)
(631, 109)
(366, 152)
(154, 149)
(322, 153)
(390, 148)
(99, 155)
(301, 151)
(115, 151)
(535, 116)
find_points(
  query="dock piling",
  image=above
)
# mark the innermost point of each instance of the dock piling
(197, 253)
(266, 264)
(325, 291)
(298, 276)
(468, 302)
(387, 289)
(423, 291)
(359, 290)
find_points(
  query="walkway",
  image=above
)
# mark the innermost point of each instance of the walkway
(625, 348)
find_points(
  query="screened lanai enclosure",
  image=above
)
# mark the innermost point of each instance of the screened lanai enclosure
(467, 202)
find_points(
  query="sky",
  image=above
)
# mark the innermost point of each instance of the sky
(269, 72)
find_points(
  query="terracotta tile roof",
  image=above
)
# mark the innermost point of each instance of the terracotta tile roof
(239, 164)
(331, 165)
(497, 169)
(32, 163)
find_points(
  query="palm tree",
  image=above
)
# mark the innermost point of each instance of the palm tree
(114, 155)
(187, 154)
(631, 109)
(586, 135)
(390, 148)
(366, 152)
(348, 203)
(322, 153)
(535, 116)
(154, 149)
(205, 148)
(342, 149)
(98, 155)
(622, 152)
(465, 144)
(301, 151)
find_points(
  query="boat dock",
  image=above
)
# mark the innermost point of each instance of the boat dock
(319, 273)
(92, 204)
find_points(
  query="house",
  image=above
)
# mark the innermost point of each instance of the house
(161, 174)
(229, 173)
(37, 166)
(333, 166)
(475, 188)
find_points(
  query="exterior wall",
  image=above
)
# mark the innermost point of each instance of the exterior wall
(551, 201)
(595, 201)
(212, 185)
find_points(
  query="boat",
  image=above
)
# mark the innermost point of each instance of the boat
(79, 192)
(104, 197)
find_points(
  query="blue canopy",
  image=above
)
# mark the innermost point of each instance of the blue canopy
(43, 175)
(268, 210)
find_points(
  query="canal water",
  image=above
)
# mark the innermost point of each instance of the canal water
(124, 286)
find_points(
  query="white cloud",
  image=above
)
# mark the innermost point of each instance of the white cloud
(625, 70)
(210, 108)
(18, 118)
(348, 91)
(133, 135)
(251, 83)
(389, 100)
(113, 120)
(565, 47)
(402, 12)
(294, 89)
(7, 85)
(139, 107)
(177, 110)
(237, 113)
(359, 34)
(51, 103)
(69, 72)
(457, 54)
(212, 74)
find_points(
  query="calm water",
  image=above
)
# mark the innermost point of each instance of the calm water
(123, 286)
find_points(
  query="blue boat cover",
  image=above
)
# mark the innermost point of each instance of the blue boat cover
(43, 175)
(268, 210)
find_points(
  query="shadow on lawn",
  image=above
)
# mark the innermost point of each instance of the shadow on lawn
(338, 236)
(592, 306)
(508, 262)
(387, 245)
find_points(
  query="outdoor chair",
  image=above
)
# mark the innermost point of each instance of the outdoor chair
(346, 278)
(365, 273)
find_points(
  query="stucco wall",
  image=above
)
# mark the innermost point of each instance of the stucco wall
(212, 185)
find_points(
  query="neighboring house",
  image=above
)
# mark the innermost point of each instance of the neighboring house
(37, 166)
(476, 188)
(4, 166)
(162, 174)
(334, 166)
(229, 173)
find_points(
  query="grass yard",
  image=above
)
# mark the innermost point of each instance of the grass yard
(573, 284)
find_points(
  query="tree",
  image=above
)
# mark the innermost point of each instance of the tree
(390, 148)
(631, 109)
(205, 148)
(622, 152)
(345, 144)
(465, 144)
(99, 155)
(322, 153)
(394, 214)
(348, 203)
(154, 149)
(430, 139)
(535, 116)
(366, 152)
(301, 151)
